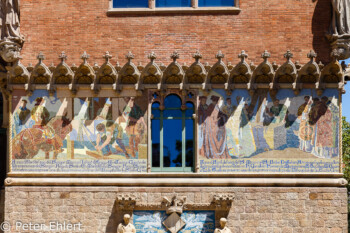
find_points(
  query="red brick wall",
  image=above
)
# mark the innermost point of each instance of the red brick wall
(75, 26)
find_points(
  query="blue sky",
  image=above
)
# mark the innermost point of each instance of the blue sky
(346, 99)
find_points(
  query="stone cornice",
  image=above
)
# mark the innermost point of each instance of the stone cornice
(179, 182)
(266, 75)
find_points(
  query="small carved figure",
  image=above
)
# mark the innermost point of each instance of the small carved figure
(341, 17)
(223, 228)
(126, 227)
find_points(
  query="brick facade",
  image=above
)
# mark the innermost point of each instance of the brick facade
(77, 26)
(253, 210)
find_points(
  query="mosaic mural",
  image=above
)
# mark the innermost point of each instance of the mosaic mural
(235, 133)
(284, 133)
(105, 134)
(196, 221)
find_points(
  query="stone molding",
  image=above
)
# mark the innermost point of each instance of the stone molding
(195, 182)
(266, 75)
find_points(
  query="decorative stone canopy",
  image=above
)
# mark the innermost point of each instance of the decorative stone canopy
(266, 75)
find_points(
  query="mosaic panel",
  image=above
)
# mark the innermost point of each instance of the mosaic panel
(261, 133)
(196, 221)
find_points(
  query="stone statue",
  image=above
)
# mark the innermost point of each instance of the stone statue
(11, 39)
(223, 228)
(126, 227)
(341, 17)
(339, 31)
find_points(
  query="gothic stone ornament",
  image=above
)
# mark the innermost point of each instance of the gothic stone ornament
(196, 73)
(62, 73)
(126, 201)
(218, 74)
(223, 201)
(174, 73)
(310, 72)
(240, 74)
(41, 73)
(174, 223)
(223, 228)
(129, 74)
(151, 75)
(264, 73)
(84, 75)
(127, 226)
(286, 75)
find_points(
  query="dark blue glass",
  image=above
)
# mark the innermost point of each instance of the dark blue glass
(172, 113)
(209, 3)
(172, 143)
(130, 3)
(189, 143)
(173, 3)
(155, 109)
(189, 110)
(172, 101)
(155, 105)
(155, 143)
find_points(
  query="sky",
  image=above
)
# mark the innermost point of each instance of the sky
(346, 98)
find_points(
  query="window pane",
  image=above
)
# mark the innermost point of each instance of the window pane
(172, 101)
(172, 113)
(172, 140)
(155, 143)
(190, 109)
(173, 3)
(155, 112)
(208, 3)
(189, 143)
(130, 3)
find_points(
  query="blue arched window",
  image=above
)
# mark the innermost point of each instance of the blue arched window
(172, 135)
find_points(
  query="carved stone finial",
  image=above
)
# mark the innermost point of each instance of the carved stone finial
(288, 55)
(152, 56)
(129, 56)
(62, 56)
(219, 56)
(243, 56)
(107, 56)
(312, 55)
(265, 55)
(175, 55)
(85, 56)
(41, 57)
(197, 55)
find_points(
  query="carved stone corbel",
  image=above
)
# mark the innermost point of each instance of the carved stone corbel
(309, 74)
(286, 75)
(196, 73)
(40, 75)
(105, 75)
(241, 74)
(263, 75)
(151, 75)
(223, 201)
(128, 75)
(84, 75)
(218, 73)
(126, 201)
(62, 74)
(173, 74)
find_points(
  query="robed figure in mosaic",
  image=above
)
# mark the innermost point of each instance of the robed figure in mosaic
(214, 131)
